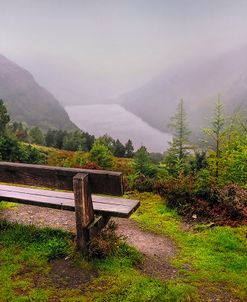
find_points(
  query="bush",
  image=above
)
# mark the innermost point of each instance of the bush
(179, 192)
(101, 155)
(106, 243)
(235, 199)
(12, 150)
(139, 182)
(143, 164)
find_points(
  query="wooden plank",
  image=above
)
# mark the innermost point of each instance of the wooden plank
(83, 210)
(63, 195)
(82, 198)
(102, 208)
(101, 182)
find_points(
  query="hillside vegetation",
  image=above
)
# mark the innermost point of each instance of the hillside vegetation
(27, 101)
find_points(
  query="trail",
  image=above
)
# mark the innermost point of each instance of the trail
(157, 250)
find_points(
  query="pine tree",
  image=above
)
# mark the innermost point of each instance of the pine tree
(216, 133)
(119, 149)
(4, 118)
(37, 136)
(178, 151)
(180, 141)
(143, 164)
(129, 149)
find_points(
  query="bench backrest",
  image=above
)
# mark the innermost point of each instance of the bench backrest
(101, 182)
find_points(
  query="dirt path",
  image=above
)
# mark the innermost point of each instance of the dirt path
(157, 250)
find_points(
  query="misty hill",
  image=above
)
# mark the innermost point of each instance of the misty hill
(199, 84)
(27, 102)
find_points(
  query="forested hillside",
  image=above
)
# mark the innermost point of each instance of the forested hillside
(27, 101)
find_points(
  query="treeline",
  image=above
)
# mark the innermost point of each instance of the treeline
(17, 143)
(70, 141)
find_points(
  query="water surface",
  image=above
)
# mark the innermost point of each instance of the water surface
(119, 123)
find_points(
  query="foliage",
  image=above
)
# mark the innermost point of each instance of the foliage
(129, 149)
(36, 136)
(12, 150)
(178, 151)
(101, 155)
(216, 134)
(116, 147)
(54, 138)
(143, 164)
(20, 131)
(106, 243)
(234, 159)
(4, 118)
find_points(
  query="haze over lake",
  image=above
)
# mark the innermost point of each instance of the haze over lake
(119, 123)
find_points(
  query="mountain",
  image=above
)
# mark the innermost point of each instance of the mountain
(199, 83)
(27, 102)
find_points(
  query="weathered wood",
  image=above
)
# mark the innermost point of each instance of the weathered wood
(83, 209)
(64, 195)
(101, 182)
(102, 205)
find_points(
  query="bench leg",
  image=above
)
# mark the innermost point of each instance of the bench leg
(83, 210)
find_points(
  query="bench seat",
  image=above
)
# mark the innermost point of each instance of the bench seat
(102, 205)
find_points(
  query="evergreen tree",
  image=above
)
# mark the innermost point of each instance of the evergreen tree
(108, 141)
(119, 149)
(180, 142)
(143, 164)
(129, 149)
(36, 136)
(74, 141)
(176, 155)
(4, 118)
(216, 133)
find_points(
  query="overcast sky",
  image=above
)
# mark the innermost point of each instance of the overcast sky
(101, 48)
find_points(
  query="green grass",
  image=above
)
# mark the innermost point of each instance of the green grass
(25, 255)
(206, 256)
(25, 252)
(122, 282)
(6, 205)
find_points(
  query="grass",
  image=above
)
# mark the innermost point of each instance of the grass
(7, 205)
(206, 256)
(209, 258)
(26, 254)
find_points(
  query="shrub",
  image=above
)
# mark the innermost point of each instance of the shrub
(143, 164)
(101, 155)
(106, 243)
(12, 150)
(178, 192)
(235, 199)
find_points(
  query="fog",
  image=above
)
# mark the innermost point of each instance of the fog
(92, 51)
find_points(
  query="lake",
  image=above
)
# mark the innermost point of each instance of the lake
(119, 123)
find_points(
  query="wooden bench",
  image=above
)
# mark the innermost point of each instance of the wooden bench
(92, 212)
